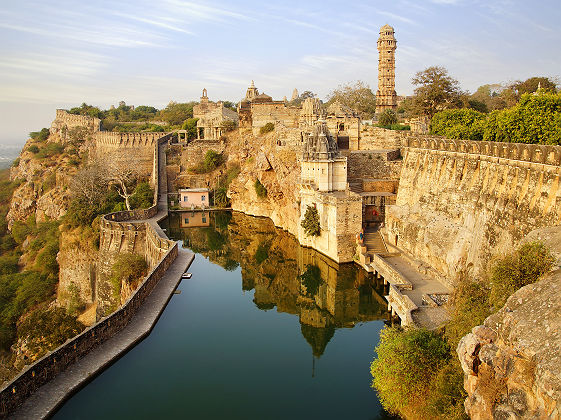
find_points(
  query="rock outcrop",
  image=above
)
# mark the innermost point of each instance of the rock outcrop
(512, 363)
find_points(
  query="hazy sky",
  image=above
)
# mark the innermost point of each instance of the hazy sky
(58, 54)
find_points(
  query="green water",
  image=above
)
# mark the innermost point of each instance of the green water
(265, 329)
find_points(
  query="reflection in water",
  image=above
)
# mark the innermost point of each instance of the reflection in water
(296, 280)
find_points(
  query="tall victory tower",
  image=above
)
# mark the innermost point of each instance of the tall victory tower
(386, 98)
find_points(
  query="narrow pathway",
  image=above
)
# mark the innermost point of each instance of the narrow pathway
(50, 396)
(45, 400)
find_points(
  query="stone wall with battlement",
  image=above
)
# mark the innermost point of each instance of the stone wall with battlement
(461, 203)
(130, 148)
(65, 121)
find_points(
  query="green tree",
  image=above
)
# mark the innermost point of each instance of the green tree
(358, 96)
(176, 113)
(190, 125)
(310, 223)
(435, 91)
(466, 124)
(405, 367)
(387, 118)
(130, 268)
(531, 85)
(267, 128)
(535, 119)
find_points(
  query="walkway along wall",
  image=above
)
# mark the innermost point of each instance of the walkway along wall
(115, 227)
(460, 203)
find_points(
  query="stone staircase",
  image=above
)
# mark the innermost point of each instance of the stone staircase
(374, 242)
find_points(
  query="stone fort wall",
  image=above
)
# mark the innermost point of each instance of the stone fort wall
(461, 203)
(65, 121)
(119, 232)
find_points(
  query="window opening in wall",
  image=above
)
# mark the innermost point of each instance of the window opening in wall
(186, 220)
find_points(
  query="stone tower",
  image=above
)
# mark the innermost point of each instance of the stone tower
(386, 98)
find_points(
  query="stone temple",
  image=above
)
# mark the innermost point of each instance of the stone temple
(386, 98)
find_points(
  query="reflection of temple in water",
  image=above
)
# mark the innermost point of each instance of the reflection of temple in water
(301, 281)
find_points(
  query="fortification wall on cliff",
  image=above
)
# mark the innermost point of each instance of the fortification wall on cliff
(462, 202)
(65, 121)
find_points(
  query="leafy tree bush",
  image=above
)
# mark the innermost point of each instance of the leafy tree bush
(40, 135)
(88, 110)
(50, 326)
(130, 268)
(211, 161)
(33, 149)
(310, 223)
(15, 163)
(267, 128)
(535, 119)
(436, 91)
(466, 124)
(358, 96)
(175, 113)
(220, 197)
(190, 125)
(260, 189)
(406, 364)
(142, 197)
(388, 117)
(50, 150)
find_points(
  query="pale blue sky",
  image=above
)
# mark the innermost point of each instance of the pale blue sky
(58, 54)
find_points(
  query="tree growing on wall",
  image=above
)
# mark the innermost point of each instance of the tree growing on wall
(310, 223)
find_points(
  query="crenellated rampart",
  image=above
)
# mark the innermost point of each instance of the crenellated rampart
(65, 121)
(461, 203)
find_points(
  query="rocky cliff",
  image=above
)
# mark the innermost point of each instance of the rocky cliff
(512, 363)
(276, 167)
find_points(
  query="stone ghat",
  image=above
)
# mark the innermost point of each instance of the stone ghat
(535, 153)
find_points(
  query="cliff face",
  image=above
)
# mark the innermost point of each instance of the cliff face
(45, 177)
(276, 167)
(512, 363)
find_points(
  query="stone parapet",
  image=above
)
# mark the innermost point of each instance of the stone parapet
(535, 153)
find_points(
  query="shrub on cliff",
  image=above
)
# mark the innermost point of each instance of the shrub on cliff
(267, 128)
(40, 135)
(130, 268)
(260, 189)
(405, 367)
(310, 223)
(467, 124)
(525, 266)
(211, 161)
(142, 197)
